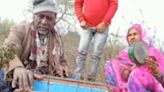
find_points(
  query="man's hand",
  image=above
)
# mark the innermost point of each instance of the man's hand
(153, 66)
(23, 78)
(83, 24)
(101, 27)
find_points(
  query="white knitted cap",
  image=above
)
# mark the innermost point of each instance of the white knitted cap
(44, 5)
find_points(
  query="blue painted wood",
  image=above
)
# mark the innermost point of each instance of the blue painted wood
(41, 86)
(2, 74)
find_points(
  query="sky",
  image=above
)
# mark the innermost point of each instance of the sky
(149, 11)
(136, 11)
(13, 9)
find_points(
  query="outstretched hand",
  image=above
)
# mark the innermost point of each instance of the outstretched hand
(24, 78)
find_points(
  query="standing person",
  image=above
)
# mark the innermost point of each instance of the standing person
(123, 75)
(39, 48)
(95, 17)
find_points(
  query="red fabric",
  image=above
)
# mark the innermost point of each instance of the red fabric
(95, 11)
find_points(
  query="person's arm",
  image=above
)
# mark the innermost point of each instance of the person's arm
(160, 78)
(126, 67)
(111, 11)
(15, 38)
(155, 64)
(79, 9)
(124, 73)
(21, 76)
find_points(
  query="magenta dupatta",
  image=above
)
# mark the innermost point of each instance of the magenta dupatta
(140, 79)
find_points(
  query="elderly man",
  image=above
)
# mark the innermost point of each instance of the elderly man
(38, 47)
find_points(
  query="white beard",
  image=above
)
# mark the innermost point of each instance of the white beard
(43, 31)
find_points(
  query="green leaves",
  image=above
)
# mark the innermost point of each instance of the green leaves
(6, 54)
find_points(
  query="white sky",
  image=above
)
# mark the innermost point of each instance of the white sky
(129, 9)
(13, 9)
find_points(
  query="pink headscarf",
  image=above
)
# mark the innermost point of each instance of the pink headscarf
(142, 34)
(143, 37)
(138, 28)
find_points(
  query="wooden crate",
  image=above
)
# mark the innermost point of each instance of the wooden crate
(68, 85)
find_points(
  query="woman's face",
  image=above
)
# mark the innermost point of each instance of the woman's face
(133, 35)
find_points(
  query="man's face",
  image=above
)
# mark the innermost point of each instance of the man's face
(133, 35)
(44, 21)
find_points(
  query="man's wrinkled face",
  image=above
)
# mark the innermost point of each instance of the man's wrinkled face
(133, 35)
(44, 21)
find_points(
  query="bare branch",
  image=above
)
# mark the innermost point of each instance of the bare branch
(65, 10)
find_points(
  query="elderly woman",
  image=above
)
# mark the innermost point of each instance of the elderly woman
(123, 75)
